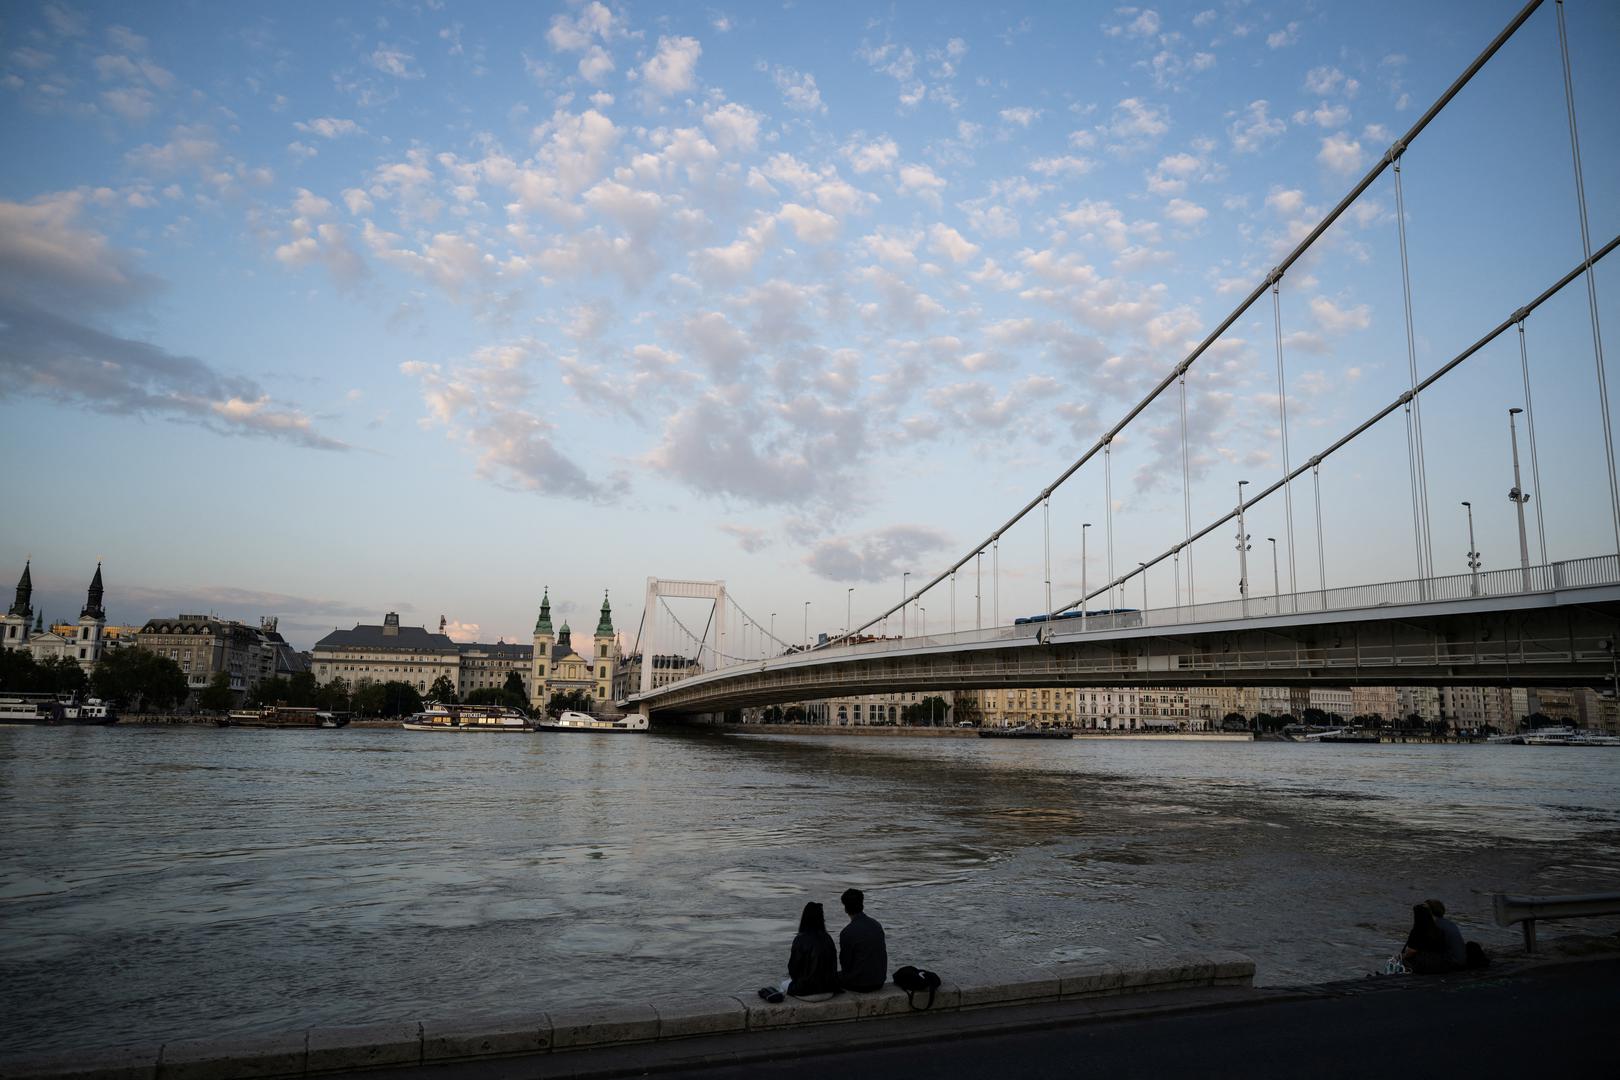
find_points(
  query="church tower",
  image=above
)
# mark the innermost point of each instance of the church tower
(14, 627)
(92, 621)
(540, 692)
(607, 652)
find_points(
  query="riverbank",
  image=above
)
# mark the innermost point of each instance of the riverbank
(452, 1039)
(972, 733)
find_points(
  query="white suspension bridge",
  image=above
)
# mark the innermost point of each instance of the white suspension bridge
(1547, 622)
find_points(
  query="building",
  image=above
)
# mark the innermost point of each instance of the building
(204, 645)
(665, 670)
(559, 667)
(387, 653)
(1332, 700)
(81, 641)
(1379, 701)
(486, 667)
(868, 709)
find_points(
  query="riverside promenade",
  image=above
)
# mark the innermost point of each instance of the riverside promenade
(1184, 1015)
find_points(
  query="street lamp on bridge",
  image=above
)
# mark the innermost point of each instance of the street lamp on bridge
(1276, 582)
(807, 626)
(1519, 497)
(1084, 599)
(1473, 556)
(1143, 565)
(849, 600)
(903, 604)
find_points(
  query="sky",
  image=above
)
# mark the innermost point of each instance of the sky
(321, 311)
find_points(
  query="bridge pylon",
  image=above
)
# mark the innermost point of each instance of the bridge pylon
(658, 588)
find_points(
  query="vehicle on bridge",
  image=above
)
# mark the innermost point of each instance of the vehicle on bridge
(1062, 615)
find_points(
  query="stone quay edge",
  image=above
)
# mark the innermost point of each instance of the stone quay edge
(329, 1050)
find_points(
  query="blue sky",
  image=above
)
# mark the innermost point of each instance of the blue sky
(321, 311)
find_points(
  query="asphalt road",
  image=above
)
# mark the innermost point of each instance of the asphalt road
(1561, 1022)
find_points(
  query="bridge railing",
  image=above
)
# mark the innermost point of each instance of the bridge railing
(1552, 577)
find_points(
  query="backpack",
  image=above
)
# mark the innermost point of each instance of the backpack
(913, 981)
(1476, 956)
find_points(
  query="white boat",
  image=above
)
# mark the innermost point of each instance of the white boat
(30, 710)
(488, 718)
(578, 721)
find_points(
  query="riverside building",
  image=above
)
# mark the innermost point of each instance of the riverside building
(83, 643)
(560, 666)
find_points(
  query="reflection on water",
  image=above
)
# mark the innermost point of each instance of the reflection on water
(156, 883)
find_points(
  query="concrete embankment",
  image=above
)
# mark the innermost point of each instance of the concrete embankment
(972, 733)
(558, 1032)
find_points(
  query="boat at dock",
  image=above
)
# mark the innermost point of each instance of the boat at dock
(48, 710)
(1024, 731)
(584, 722)
(283, 716)
(487, 718)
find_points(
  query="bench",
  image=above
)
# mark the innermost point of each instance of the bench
(1527, 909)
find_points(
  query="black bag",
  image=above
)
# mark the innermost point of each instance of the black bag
(1476, 956)
(913, 981)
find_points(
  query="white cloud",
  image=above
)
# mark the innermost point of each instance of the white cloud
(1283, 38)
(798, 89)
(1336, 320)
(921, 181)
(1324, 115)
(673, 69)
(1340, 153)
(1135, 124)
(1021, 115)
(950, 243)
(808, 224)
(734, 127)
(1141, 24)
(329, 127)
(880, 555)
(594, 22)
(1286, 201)
(876, 156)
(596, 65)
(1184, 213)
(394, 60)
(1066, 165)
(1254, 126)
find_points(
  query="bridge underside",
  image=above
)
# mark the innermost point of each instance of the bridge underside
(1565, 642)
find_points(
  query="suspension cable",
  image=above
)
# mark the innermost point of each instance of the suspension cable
(1530, 425)
(1247, 302)
(1591, 284)
(1186, 487)
(1282, 424)
(1108, 509)
(1356, 432)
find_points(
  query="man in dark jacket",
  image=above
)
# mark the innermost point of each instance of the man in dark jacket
(863, 959)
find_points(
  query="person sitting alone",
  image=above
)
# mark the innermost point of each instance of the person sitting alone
(863, 958)
(812, 962)
(1425, 951)
(1455, 951)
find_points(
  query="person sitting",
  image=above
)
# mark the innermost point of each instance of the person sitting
(1455, 951)
(863, 958)
(1425, 951)
(812, 961)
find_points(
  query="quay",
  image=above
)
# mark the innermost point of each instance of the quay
(1174, 1016)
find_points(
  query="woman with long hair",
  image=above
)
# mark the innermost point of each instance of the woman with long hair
(812, 962)
(1425, 951)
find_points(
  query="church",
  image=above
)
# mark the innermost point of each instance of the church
(561, 666)
(82, 643)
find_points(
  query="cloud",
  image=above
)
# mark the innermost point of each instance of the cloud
(1340, 153)
(879, 155)
(921, 181)
(1066, 165)
(880, 555)
(751, 539)
(1022, 115)
(1184, 213)
(798, 89)
(734, 127)
(1281, 39)
(329, 127)
(1135, 124)
(394, 60)
(1336, 320)
(950, 243)
(1254, 126)
(1325, 80)
(594, 22)
(673, 69)
(1141, 24)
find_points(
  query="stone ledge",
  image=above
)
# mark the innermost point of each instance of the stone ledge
(337, 1049)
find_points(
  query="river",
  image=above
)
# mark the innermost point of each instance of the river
(169, 882)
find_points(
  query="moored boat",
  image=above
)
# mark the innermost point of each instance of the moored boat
(1023, 731)
(488, 718)
(283, 716)
(47, 710)
(584, 722)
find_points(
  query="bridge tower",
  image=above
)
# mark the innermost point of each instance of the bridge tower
(688, 590)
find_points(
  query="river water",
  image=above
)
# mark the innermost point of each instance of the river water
(168, 882)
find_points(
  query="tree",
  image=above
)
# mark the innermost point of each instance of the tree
(367, 699)
(138, 679)
(335, 695)
(1315, 718)
(566, 700)
(400, 699)
(493, 695)
(61, 675)
(301, 689)
(514, 685)
(968, 711)
(217, 696)
(772, 715)
(929, 712)
(442, 691)
(794, 714)
(1234, 721)
(276, 691)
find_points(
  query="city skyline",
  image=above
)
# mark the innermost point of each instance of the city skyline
(425, 309)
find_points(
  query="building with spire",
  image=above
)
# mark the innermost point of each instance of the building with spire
(82, 642)
(560, 666)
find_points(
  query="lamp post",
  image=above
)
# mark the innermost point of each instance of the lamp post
(1143, 565)
(773, 626)
(922, 620)
(1473, 555)
(1084, 599)
(807, 626)
(1243, 551)
(849, 600)
(1276, 582)
(903, 604)
(1518, 497)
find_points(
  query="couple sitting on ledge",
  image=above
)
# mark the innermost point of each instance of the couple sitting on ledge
(861, 961)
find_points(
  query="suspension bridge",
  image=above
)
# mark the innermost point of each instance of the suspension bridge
(1547, 621)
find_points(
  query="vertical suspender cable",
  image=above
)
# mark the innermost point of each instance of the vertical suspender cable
(1108, 511)
(1282, 424)
(1046, 513)
(995, 581)
(1414, 412)
(953, 601)
(1321, 561)
(1186, 487)
(978, 591)
(1530, 425)
(1591, 285)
